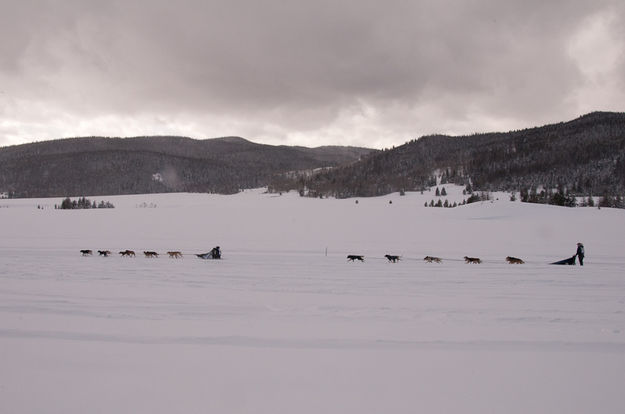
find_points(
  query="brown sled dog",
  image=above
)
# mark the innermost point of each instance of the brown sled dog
(127, 253)
(174, 255)
(150, 254)
(472, 260)
(514, 260)
(431, 259)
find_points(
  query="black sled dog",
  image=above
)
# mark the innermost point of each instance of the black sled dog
(392, 258)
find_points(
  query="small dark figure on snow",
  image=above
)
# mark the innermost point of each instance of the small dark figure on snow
(580, 254)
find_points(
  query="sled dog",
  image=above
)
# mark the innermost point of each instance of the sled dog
(86, 252)
(128, 253)
(174, 255)
(392, 258)
(150, 254)
(431, 259)
(104, 253)
(353, 257)
(514, 260)
(472, 260)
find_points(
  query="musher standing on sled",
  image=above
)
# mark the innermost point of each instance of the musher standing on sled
(580, 253)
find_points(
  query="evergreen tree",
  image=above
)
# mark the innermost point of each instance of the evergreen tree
(605, 201)
(66, 204)
(590, 202)
(525, 197)
(474, 198)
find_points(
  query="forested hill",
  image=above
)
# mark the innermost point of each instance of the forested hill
(583, 156)
(106, 166)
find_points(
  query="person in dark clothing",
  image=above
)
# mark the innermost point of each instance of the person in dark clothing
(216, 253)
(580, 254)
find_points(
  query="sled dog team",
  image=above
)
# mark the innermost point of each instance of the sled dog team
(476, 260)
(579, 254)
(215, 253)
(432, 259)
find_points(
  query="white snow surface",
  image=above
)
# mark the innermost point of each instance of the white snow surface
(281, 326)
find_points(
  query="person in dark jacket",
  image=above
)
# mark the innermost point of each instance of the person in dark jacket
(580, 254)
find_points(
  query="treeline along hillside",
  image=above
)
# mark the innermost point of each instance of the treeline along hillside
(108, 166)
(583, 157)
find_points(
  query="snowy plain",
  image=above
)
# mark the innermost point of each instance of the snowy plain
(284, 324)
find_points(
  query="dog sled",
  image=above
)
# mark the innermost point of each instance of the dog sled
(569, 261)
(215, 253)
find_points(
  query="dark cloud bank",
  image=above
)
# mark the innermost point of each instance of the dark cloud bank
(344, 72)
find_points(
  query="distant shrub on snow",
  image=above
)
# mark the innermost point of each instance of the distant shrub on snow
(83, 203)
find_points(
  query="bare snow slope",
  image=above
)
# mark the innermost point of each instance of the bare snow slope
(278, 326)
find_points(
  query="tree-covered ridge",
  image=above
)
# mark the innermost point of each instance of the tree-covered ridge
(583, 156)
(107, 166)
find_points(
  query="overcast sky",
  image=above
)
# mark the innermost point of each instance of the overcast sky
(344, 72)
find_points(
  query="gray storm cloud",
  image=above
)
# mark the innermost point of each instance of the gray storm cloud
(311, 73)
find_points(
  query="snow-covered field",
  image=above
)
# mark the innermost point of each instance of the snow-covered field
(284, 324)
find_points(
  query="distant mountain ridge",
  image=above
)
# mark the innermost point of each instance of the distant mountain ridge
(582, 156)
(107, 166)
